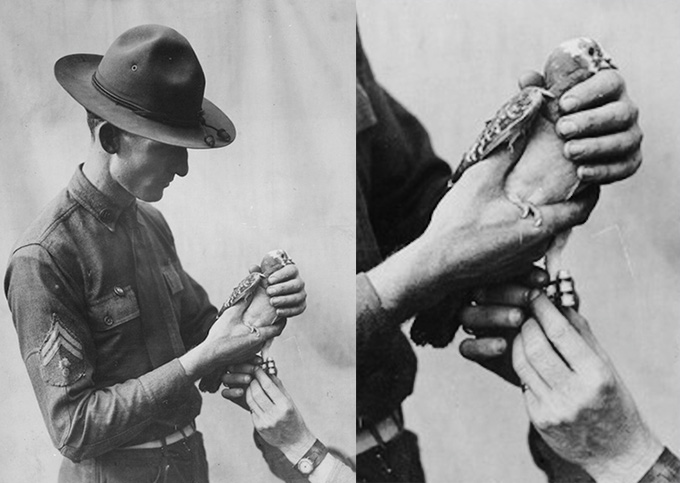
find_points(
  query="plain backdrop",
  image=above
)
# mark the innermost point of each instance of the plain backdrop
(453, 63)
(283, 72)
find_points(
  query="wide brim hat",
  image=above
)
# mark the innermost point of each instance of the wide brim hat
(148, 83)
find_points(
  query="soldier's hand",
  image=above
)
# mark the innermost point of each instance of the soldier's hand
(236, 380)
(600, 125)
(287, 291)
(495, 319)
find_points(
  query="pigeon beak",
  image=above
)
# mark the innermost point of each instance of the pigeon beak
(608, 61)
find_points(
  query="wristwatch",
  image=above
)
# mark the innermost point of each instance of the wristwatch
(312, 458)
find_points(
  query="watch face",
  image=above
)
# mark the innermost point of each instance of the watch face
(305, 466)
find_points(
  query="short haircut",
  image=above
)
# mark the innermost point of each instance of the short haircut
(93, 121)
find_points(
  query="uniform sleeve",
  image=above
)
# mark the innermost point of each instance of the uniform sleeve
(401, 176)
(57, 347)
(198, 314)
(665, 470)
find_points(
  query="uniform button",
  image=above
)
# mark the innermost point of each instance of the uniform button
(118, 291)
(108, 320)
(106, 215)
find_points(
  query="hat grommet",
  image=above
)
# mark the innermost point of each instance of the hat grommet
(134, 67)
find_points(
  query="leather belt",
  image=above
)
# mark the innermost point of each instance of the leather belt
(178, 435)
(379, 433)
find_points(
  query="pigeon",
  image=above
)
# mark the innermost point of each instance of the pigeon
(541, 176)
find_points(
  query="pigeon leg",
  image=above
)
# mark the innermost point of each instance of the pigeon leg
(527, 209)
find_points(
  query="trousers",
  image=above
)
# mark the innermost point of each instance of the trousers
(180, 462)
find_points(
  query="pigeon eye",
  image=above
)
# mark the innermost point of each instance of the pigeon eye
(591, 51)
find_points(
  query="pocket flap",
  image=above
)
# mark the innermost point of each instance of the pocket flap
(115, 309)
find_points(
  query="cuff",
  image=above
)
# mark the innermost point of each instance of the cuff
(278, 464)
(665, 470)
(162, 384)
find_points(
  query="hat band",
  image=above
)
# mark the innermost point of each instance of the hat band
(145, 113)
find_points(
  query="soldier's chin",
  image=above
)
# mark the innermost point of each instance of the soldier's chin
(151, 194)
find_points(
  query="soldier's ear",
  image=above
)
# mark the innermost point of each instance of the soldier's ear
(109, 138)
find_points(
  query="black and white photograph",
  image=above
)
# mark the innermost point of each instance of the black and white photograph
(491, 135)
(178, 225)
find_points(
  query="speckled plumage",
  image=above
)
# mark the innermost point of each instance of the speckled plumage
(511, 121)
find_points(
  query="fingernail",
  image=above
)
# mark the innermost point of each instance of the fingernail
(568, 104)
(574, 150)
(515, 318)
(273, 302)
(534, 294)
(246, 379)
(566, 128)
(541, 278)
(584, 173)
(271, 291)
(499, 346)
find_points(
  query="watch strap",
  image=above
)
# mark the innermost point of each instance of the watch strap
(312, 458)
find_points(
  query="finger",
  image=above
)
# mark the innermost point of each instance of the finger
(292, 300)
(594, 150)
(287, 272)
(611, 172)
(269, 332)
(233, 393)
(479, 350)
(245, 367)
(507, 294)
(581, 325)
(542, 356)
(525, 371)
(482, 318)
(254, 269)
(260, 396)
(536, 277)
(292, 311)
(251, 402)
(496, 359)
(530, 78)
(286, 287)
(269, 387)
(237, 379)
(562, 335)
(610, 118)
(604, 86)
(562, 216)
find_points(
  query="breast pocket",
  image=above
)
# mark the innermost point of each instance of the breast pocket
(115, 309)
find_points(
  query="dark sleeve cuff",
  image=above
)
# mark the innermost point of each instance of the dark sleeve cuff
(665, 470)
(555, 468)
(278, 464)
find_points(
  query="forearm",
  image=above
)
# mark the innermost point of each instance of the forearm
(402, 281)
(85, 422)
(330, 470)
(657, 465)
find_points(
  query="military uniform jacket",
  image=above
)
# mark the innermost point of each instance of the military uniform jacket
(103, 309)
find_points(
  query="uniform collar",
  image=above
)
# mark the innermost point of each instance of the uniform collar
(99, 205)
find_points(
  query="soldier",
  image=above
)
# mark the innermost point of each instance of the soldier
(113, 331)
